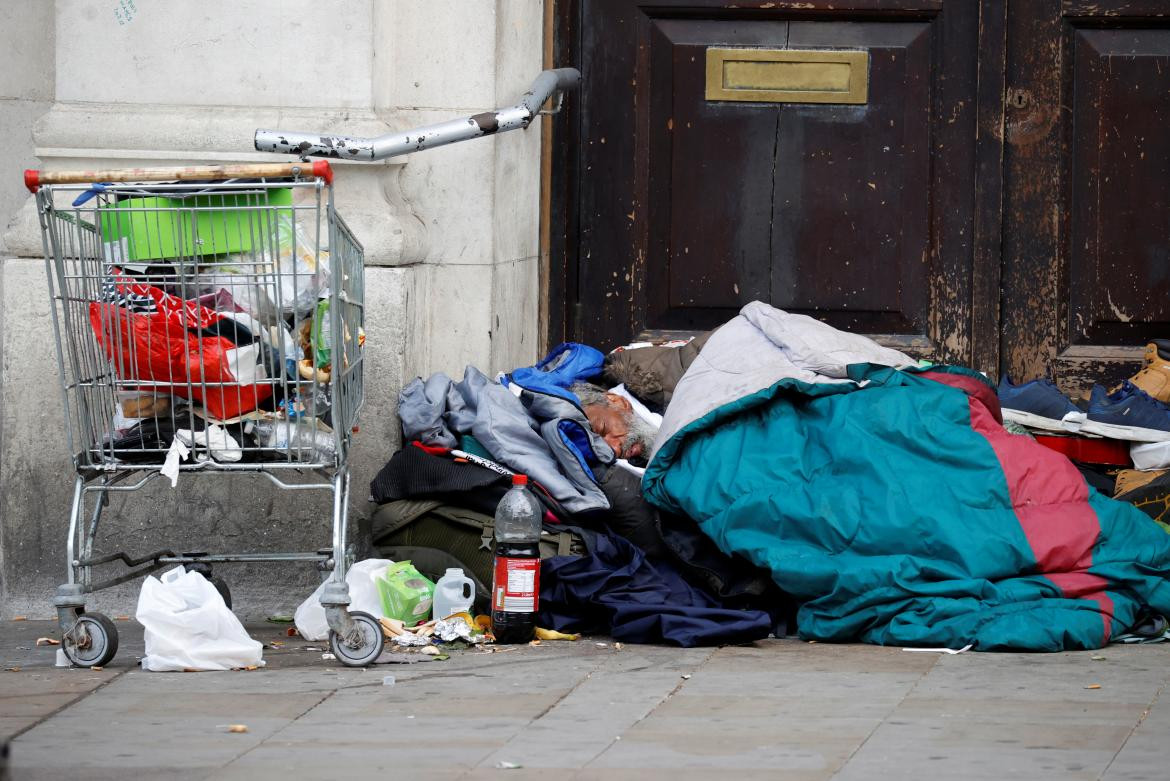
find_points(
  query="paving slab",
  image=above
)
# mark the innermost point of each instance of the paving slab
(777, 709)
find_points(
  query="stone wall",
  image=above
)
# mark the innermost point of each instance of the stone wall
(450, 235)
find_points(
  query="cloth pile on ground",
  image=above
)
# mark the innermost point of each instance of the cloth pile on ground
(891, 502)
(441, 488)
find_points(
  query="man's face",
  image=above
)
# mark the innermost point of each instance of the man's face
(611, 422)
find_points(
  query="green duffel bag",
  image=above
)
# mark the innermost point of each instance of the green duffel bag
(434, 535)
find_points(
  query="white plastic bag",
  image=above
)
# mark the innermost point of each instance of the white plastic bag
(188, 626)
(363, 593)
(273, 285)
(1149, 456)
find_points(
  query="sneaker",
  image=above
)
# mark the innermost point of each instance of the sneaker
(1128, 413)
(1154, 376)
(1038, 404)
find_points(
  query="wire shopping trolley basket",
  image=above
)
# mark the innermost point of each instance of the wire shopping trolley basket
(208, 321)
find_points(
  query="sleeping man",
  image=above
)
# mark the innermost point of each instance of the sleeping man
(612, 417)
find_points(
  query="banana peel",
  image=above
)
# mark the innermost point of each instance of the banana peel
(552, 634)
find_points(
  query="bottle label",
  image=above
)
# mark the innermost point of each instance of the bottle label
(516, 585)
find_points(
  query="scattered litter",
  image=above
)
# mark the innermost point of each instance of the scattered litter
(1097, 658)
(430, 650)
(387, 680)
(455, 628)
(237, 728)
(602, 645)
(552, 634)
(686, 677)
(121, 618)
(280, 619)
(534, 642)
(328, 657)
(251, 667)
(502, 765)
(964, 649)
(411, 640)
(12, 669)
(20, 618)
(276, 644)
(97, 668)
(47, 641)
(62, 659)
(292, 632)
(392, 627)
(618, 646)
(1093, 686)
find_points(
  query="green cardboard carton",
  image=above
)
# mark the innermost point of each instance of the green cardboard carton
(406, 594)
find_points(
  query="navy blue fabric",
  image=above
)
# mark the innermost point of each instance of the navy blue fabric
(564, 365)
(577, 441)
(617, 590)
(1039, 397)
(1129, 405)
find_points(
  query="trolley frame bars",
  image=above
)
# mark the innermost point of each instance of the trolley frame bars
(64, 246)
(349, 297)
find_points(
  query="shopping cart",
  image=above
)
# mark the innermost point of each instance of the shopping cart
(212, 325)
(209, 326)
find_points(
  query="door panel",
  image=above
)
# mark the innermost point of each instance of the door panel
(860, 215)
(1087, 226)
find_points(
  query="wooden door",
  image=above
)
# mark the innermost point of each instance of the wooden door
(1086, 253)
(679, 206)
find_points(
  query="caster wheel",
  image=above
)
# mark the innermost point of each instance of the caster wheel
(364, 644)
(92, 642)
(222, 587)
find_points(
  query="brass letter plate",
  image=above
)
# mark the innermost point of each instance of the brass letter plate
(788, 75)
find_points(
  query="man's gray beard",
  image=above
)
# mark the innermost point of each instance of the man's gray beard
(639, 430)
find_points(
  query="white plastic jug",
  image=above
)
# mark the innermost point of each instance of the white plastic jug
(454, 593)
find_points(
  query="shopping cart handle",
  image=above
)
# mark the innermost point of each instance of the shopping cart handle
(519, 116)
(35, 179)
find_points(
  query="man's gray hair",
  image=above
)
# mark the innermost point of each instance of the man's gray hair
(589, 394)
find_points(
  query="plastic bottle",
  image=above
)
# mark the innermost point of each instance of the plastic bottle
(454, 593)
(516, 581)
(291, 435)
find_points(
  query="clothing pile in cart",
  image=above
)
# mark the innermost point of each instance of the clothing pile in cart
(219, 334)
(776, 475)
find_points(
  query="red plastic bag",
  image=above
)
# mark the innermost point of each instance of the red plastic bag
(145, 333)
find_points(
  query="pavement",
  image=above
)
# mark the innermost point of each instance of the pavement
(592, 709)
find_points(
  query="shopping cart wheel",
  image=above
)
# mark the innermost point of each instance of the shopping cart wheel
(222, 587)
(92, 642)
(364, 643)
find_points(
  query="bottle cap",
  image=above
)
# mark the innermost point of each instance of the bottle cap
(519, 479)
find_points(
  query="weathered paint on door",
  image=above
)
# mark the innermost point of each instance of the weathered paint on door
(1001, 198)
(1086, 254)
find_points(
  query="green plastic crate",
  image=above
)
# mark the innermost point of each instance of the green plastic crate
(159, 227)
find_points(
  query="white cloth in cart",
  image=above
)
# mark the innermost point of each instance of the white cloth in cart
(188, 626)
(215, 440)
(363, 593)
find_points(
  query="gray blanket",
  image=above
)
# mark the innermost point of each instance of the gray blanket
(529, 433)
